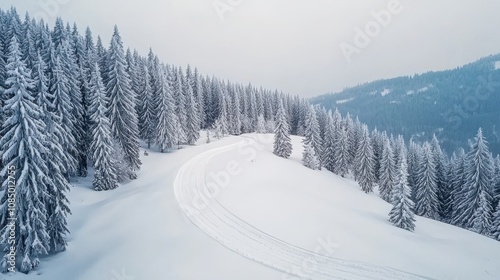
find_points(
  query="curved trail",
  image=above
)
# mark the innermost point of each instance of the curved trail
(237, 235)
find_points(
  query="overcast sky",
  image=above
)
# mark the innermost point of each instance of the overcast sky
(292, 45)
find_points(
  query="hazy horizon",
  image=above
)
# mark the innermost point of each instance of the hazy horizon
(293, 46)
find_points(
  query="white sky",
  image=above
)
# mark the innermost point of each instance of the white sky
(291, 45)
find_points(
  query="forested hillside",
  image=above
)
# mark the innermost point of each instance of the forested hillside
(452, 104)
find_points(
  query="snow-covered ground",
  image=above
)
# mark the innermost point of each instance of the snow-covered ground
(385, 92)
(251, 215)
(342, 101)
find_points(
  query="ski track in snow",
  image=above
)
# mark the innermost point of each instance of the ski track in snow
(215, 220)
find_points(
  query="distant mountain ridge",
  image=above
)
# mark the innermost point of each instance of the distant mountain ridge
(451, 104)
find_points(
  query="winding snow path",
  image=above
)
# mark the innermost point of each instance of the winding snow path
(237, 235)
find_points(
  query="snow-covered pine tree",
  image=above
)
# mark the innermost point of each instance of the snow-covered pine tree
(312, 133)
(29, 53)
(166, 119)
(119, 162)
(22, 146)
(56, 203)
(328, 150)
(217, 129)
(133, 72)
(62, 106)
(223, 118)
(444, 193)
(180, 100)
(193, 121)
(259, 102)
(270, 126)
(495, 225)
(102, 57)
(211, 100)
(449, 175)
(378, 146)
(475, 210)
(401, 214)
(69, 67)
(252, 108)
(82, 65)
(200, 97)
(352, 141)
(122, 102)
(146, 116)
(413, 161)
(342, 153)
(234, 112)
(309, 157)
(387, 171)
(282, 141)
(261, 124)
(101, 141)
(427, 204)
(458, 191)
(364, 162)
(496, 182)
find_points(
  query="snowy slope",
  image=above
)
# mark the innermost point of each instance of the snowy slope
(267, 209)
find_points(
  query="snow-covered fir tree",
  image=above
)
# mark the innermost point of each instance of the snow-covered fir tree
(475, 208)
(177, 83)
(193, 121)
(427, 203)
(22, 146)
(309, 158)
(312, 133)
(364, 162)
(166, 119)
(122, 102)
(101, 144)
(495, 225)
(401, 214)
(328, 151)
(458, 192)
(261, 124)
(282, 142)
(342, 153)
(444, 193)
(58, 87)
(222, 120)
(146, 115)
(387, 171)
(200, 97)
(496, 182)
(234, 112)
(56, 203)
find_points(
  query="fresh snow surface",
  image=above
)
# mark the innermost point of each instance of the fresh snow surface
(344, 100)
(385, 92)
(497, 65)
(233, 210)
